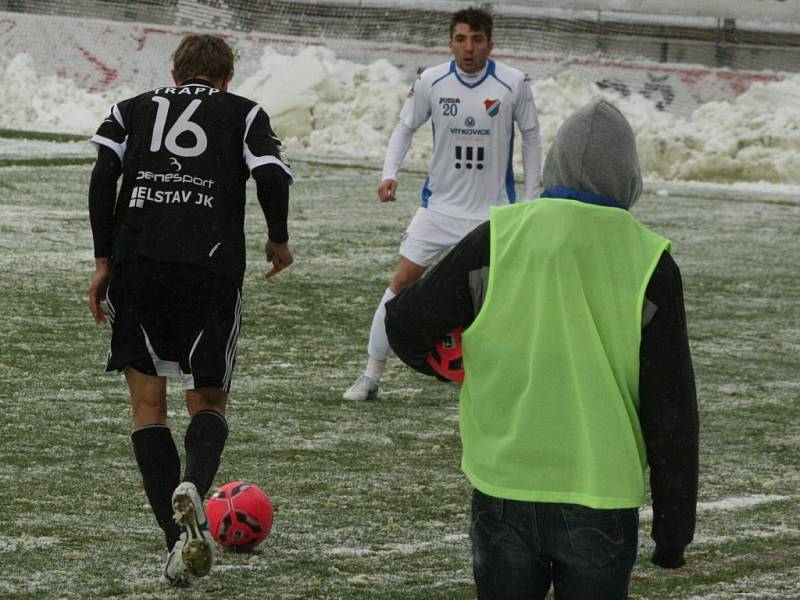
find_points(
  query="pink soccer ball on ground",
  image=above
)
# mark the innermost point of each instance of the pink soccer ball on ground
(239, 515)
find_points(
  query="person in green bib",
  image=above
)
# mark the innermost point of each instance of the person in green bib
(577, 374)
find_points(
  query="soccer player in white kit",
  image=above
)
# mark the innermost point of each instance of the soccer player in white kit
(473, 103)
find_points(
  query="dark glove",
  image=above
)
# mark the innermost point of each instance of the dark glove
(668, 557)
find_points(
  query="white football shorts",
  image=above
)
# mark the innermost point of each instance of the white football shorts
(430, 234)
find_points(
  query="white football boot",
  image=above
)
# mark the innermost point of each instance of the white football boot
(174, 570)
(365, 388)
(197, 552)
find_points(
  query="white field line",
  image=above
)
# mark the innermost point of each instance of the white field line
(398, 548)
(733, 503)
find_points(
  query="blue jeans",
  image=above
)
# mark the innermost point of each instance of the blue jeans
(520, 548)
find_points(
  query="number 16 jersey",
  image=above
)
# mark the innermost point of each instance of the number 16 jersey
(473, 135)
(186, 154)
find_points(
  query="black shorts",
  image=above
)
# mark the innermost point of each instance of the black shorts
(170, 319)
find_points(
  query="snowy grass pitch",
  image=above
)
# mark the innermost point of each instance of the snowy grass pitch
(369, 499)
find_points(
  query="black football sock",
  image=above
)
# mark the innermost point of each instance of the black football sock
(204, 441)
(160, 467)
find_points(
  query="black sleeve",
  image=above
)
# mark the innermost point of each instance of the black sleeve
(272, 186)
(442, 300)
(102, 198)
(668, 413)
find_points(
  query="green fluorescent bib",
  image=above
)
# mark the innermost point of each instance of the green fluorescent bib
(548, 408)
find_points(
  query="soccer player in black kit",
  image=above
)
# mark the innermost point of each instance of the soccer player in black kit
(170, 259)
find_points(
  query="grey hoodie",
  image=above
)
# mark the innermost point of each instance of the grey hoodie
(595, 151)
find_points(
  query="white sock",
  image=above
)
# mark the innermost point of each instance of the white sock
(375, 368)
(378, 347)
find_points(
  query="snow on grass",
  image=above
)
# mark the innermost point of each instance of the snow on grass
(369, 501)
(749, 587)
(26, 542)
(11, 149)
(735, 503)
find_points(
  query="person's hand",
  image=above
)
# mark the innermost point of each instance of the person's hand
(279, 255)
(668, 557)
(98, 288)
(387, 190)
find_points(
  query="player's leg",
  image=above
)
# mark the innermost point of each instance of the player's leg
(133, 308)
(427, 237)
(366, 386)
(406, 274)
(154, 447)
(158, 462)
(209, 357)
(204, 442)
(211, 335)
(205, 436)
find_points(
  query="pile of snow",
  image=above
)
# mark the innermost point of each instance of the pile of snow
(31, 102)
(323, 106)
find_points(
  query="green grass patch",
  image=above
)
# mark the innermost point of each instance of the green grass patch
(45, 162)
(42, 135)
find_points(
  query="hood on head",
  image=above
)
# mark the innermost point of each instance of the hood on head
(595, 151)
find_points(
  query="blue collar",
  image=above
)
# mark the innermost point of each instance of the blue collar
(587, 197)
(489, 73)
